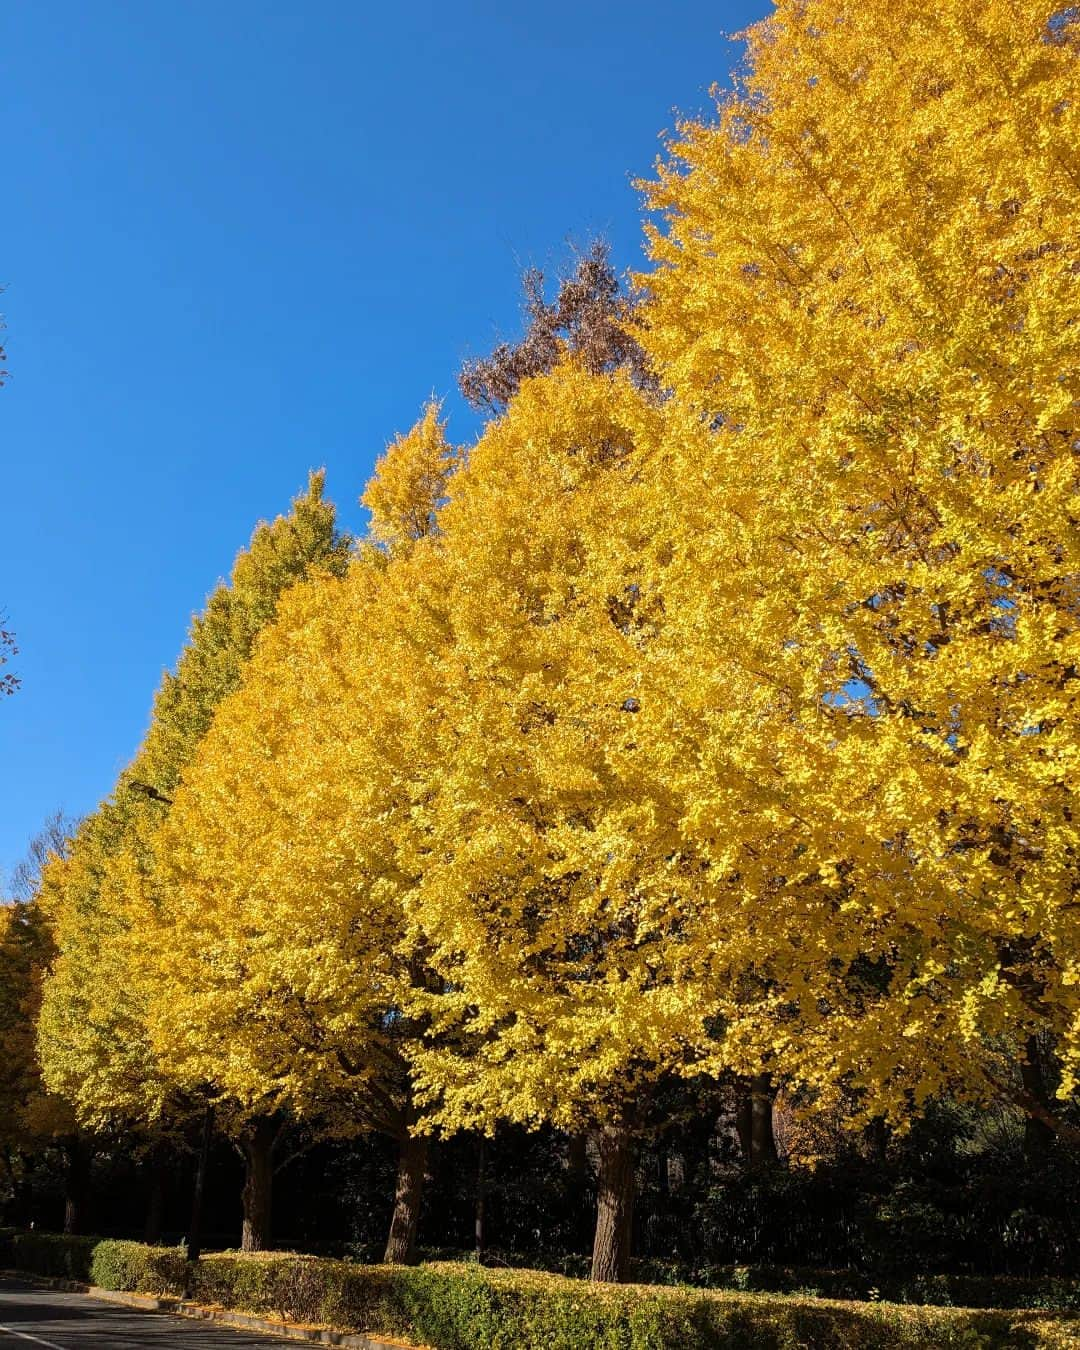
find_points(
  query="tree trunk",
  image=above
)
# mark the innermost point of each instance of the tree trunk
(754, 1120)
(194, 1241)
(614, 1205)
(258, 1194)
(876, 1135)
(1038, 1136)
(155, 1193)
(762, 1139)
(76, 1175)
(412, 1161)
(580, 1189)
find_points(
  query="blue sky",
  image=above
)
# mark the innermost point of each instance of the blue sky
(244, 239)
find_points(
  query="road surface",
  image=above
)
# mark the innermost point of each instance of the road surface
(35, 1318)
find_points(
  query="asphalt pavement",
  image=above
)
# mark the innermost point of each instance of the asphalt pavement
(32, 1316)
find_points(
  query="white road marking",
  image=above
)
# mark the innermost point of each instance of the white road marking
(25, 1336)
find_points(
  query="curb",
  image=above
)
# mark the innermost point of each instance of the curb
(239, 1321)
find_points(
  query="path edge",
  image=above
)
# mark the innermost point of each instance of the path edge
(226, 1317)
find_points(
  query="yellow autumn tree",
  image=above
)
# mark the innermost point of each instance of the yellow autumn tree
(281, 961)
(92, 1037)
(552, 889)
(410, 483)
(865, 285)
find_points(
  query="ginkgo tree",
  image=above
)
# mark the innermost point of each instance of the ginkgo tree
(93, 1035)
(551, 889)
(865, 284)
(280, 963)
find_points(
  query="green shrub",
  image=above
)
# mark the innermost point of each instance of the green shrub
(1050, 1292)
(136, 1267)
(100, 1261)
(945, 1290)
(466, 1307)
(454, 1306)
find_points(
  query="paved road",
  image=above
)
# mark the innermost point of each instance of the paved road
(34, 1318)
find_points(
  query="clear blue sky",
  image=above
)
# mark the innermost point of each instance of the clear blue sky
(246, 238)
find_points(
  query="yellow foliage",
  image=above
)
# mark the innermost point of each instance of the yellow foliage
(727, 727)
(410, 483)
(867, 282)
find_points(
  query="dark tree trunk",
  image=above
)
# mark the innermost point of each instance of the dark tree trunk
(412, 1163)
(76, 1176)
(194, 1242)
(155, 1193)
(762, 1139)
(614, 1205)
(876, 1135)
(481, 1198)
(754, 1120)
(580, 1185)
(1038, 1136)
(577, 1160)
(258, 1194)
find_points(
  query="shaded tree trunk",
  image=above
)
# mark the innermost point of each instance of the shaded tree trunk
(76, 1176)
(614, 1204)
(194, 1241)
(412, 1163)
(155, 1193)
(762, 1138)
(258, 1194)
(580, 1189)
(754, 1120)
(1038, 1136)
(876, 1135)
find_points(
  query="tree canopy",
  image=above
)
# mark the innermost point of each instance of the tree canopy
(714, 715)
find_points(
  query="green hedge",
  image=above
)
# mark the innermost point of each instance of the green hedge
(460, 1307)
(1052, 1293)
(452, 1306)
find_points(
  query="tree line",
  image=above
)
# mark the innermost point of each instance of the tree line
(712, 718)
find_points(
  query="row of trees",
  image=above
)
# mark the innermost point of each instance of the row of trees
(714, 714)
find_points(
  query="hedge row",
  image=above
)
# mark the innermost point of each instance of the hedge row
(451, 1306)
(1051, 1293)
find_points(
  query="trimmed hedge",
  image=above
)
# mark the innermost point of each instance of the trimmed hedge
(450, 1306)
(1053, 1293)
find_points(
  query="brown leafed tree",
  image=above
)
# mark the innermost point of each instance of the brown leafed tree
(54, 838)
(591, 317)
